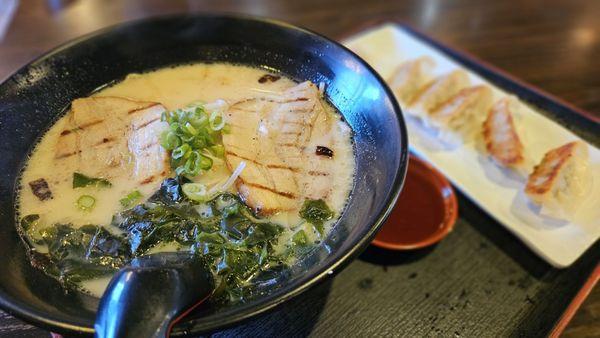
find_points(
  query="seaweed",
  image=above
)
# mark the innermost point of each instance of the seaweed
(317, 213)
(77, 254)
(237, 245)
(80, 180)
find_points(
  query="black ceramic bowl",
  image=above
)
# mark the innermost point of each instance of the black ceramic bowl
(36, 95)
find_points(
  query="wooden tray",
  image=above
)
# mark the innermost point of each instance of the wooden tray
(480, 281)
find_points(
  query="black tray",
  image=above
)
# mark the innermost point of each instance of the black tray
(480, 281)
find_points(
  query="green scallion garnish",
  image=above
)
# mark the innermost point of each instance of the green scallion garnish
(196, 192)
(130, 199)
(193, 136)
(86, 202)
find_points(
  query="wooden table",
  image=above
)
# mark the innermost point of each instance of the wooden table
(553, 44)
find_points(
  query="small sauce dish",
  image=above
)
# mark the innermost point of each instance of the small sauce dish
(424, 213)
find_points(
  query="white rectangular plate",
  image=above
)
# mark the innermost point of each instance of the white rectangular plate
(497, 191)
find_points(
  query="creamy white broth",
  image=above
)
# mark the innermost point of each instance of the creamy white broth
(175, 88)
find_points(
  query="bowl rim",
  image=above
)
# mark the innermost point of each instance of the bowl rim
(25, 312)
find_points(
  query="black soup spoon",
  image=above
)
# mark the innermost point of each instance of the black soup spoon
(145, 298)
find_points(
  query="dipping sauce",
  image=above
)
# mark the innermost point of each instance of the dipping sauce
(425, 212)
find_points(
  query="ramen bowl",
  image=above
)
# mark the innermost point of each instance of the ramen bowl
(39, 93)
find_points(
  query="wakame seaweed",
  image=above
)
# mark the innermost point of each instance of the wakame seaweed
(80, 180)
(237, 245)
(316, 212)
(77, 254)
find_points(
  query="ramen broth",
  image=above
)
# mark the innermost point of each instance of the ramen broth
(176, 88)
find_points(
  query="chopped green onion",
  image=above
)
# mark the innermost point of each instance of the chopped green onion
(188, 138)
(193, 132)
(132, 197)
(85, 202)
(217, 150)
(205, 162)
(81, 180)
(196, 192)
(192, 165)
(190, 129)
(175, 127)
(183, 151)
(170, 140)
(199, 143)
(214, 137)
(199, 121)
(180, 170)
(199, 111)
(216, 121)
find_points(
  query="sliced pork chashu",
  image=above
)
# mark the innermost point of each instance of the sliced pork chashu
(266, 183)
(150, 159)
(113, 137)
(276, 137)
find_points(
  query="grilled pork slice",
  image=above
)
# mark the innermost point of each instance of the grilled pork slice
(410, 76)
(151, 160)
(266, 183)
(114, 137)
(560, 181)
(273, 136)
(436, 92)
(500, 135)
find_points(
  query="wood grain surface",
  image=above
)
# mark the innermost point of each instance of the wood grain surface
(480, 281)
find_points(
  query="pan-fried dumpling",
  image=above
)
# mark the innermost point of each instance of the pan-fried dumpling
(500, 135)
(561, 180)
(462, 113)
(410, 76)
(436, 92)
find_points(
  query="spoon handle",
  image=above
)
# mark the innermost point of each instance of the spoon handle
(142, 301)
